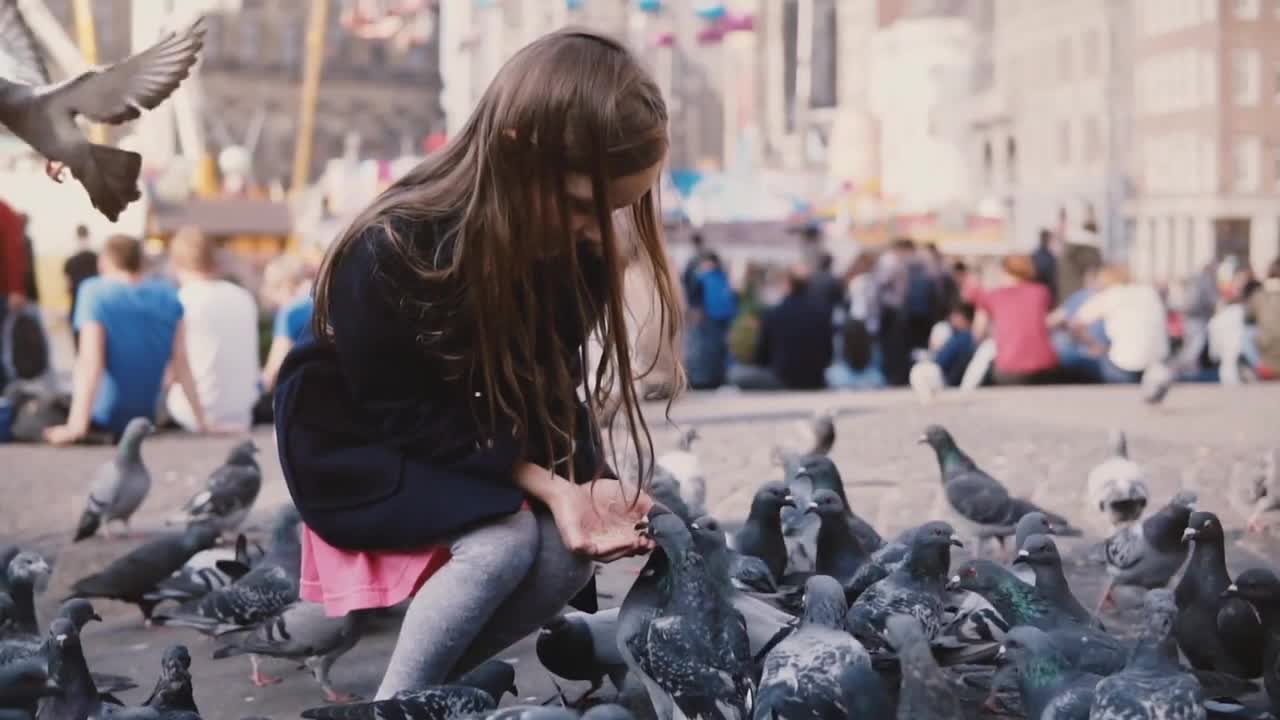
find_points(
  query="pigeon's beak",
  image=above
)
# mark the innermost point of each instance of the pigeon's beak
(544, 632)
(1188, 534)
(1022, 557)
(954, 583)
(955, 542)
(644, 529)
(96, 616)
(812, 508)
(789, 501)
(1231, 591)
(922, 440)
(1053, 529)
(1001, 653)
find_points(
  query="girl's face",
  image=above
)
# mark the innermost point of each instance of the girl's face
(623, 192)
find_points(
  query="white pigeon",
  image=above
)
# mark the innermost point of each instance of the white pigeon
(120, 485)
(927, 380)
(43, 114)
(1118, 486)
(686, 468)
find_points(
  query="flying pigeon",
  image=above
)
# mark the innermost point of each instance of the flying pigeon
(1051, 688)
(927, 692)
(1156, 383)
(694, 654)
(133, 576)
(761, 534)
(1041, 554)
(301, 631)
(475, 694)
(173, 692)
(25, 571)
(230, 491)
(1268, 501)
(1148, 554)
(119, 486)
(915, 588)
(1152, 685)
(43, 114)
(1261, 588)
(1215, 633)
(583, 647)
(807, 673)
(840, 554)
(685, 466)
(1118, 486)
(980, 501)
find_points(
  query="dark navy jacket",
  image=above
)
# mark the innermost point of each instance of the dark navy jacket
(381, 451)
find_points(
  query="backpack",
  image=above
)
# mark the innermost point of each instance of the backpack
(719, 301)
(26, 350)
(920, 292)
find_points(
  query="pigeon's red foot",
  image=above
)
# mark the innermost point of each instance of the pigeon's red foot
(54, 170)
(333, 696)
(1255, 526)
(260, 680)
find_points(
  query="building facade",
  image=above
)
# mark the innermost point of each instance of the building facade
(1207, 125)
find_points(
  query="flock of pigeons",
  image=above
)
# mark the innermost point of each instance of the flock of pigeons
(802, 610)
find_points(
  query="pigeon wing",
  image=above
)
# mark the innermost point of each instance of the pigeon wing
(679, 665)
(104, 488)
(1126, 548)
(20, 58)
(979, 497)
(118, 93)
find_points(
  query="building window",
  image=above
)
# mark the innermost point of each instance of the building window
(790, 37)
(1275, 167)
(824, 60)
(1064, 142)
(1090, 53)
(1246, 161)
(1011, 159)
(988, 164)
(290, 46)
(1092, 139)
(1065, 69)
(1247, 9)
(1244, 77)
(248, 40)
(1275, 82)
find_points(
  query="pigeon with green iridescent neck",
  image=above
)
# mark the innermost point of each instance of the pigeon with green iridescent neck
(1017, 602)
(1051, 688)
(916, 588)
(1152, 685)
(1041, 554)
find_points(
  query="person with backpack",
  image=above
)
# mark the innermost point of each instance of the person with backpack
(713, 306)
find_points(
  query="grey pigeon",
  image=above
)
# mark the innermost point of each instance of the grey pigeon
(583, 647)
(25, 571)
(230, 492)
(207, 571)
(1040, 553)
(1152, 686)
(528, 712)
(694, 654)
(1033, 523)
(7, 554)
(130, 578)
(1017, 602)
(301, 631)
(173, 693)
(8, 617)
(474, 694)
(67, 667)
(683, 465)
(1215, 633)
(23, 683)
(761, 534)
(666, 491)
(746, 572)
(1118, 486)
(915, 588)
(983, 505)
(804, 674)
(1148, 554)
(119, 486)
(1156, 382)
(878, 567)
(608, 711)
(840, 552)
(43, 114)
(1261, 588)
(22, 646)
(824, 432)
(927, 693)
(808, 474)
(271, 586)
(1051, 688)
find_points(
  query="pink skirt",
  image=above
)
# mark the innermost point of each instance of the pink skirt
(347, 580)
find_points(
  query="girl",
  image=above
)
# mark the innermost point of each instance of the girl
(432, 434)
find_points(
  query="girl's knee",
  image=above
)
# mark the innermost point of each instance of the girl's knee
(502, 552)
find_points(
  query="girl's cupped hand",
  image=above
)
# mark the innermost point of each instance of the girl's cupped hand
(599, 519)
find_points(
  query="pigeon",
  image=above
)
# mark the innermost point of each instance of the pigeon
(1118, 486)
(301, 631)
(1152, 684)
(761, 534)
(21, 646)
(1051, 688)
(583, 647)
(1268, 501)
(1041, 554)
(205, 572)
(608, 711)
(131, 577)
(915, 588)
(1017, 602)
(805, 475)
(823, 428)
(7, 554)
(693, 654)
(25, 571)
(1148, 554)
(666, 491)
(173, 692)
(24, 682)
(475, 694)
(878, 567)
(840, 553)
(687, 470)
(927, 380)
(746, 572)
(1215, 633)
(927, 692)
(230, 491)
(1261, 588)
(43, 114)
(271, 586)
(529, 712)
(805, 674)
(79, 699)
(1033, 523)
(980, 501)
(119, 486)
(1156, 383)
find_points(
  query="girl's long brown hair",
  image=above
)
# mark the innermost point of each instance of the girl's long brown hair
(571, 102)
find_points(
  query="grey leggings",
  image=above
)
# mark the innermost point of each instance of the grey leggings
(504, 580)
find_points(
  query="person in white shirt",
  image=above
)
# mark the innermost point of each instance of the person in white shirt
(222, 336)
(1135, 321)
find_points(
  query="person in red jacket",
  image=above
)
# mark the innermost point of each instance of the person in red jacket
(13, 267)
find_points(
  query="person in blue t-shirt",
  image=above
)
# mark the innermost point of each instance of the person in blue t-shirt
(130, 333)
(288, 286)
(954, 355)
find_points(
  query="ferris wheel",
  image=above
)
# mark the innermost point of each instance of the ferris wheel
(403, 23)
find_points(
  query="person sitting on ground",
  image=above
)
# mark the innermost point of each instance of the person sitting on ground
(857, 367)
(714, 305)
(131, 329)
(79, 267)
(794, 344)
(954, 355)
(1135, 321)
(287, 285)
(1019, 310)
(1231, 346)
(1264, 307)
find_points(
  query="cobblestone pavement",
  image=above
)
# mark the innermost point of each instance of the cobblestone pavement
(1041, 442)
